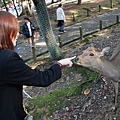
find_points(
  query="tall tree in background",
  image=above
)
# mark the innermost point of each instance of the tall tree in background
(46, 29)
(79, 2)
(4, 4)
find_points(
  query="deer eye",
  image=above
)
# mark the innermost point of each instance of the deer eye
(91, 54)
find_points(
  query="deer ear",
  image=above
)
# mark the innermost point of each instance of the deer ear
(104, 50)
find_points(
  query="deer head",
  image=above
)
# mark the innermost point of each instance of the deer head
(91, 57)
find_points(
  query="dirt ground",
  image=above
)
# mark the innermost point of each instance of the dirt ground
(79, 11)
(96, 105)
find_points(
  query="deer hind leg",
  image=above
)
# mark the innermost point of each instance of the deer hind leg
(116, 94)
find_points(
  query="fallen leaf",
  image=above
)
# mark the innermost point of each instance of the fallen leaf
(87, 91)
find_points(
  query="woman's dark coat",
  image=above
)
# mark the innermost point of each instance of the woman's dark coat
(14, 73)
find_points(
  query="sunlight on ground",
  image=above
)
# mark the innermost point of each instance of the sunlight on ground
(102, 34)
(41, 44)
(92, 1)
(108, 8)
(73, 11)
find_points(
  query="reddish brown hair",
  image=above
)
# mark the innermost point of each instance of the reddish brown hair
(9, 28)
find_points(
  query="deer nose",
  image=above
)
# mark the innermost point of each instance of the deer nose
(76, 59)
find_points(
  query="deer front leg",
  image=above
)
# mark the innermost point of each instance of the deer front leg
(116, 94)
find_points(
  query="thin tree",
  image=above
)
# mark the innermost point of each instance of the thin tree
(15, 7)
(79, 2)
(4, 4)
(46, 29)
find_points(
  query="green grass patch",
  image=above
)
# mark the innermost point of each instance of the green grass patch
(86, 40)
(50, 102)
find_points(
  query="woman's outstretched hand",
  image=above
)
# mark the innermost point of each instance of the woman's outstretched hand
(66, 62)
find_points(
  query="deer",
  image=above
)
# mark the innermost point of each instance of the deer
(94, 59)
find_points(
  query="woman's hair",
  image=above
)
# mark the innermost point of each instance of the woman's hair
(9, 28)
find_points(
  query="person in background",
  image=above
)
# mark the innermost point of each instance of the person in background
(14, 73)
(12, 10)
(28, 29)
(60, 18)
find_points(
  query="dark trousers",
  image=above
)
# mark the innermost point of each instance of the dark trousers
(61, 25)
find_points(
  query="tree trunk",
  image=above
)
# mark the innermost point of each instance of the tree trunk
(52, 1)
(79, 2)
(5, 5)
(15, 7)
(46, 29)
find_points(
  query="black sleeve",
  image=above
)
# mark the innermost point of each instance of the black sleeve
(18, 73)
(23, 29)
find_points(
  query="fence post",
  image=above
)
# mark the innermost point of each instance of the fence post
(33, 49)
(34, 53)
(99, 8)
(88, 12)
(59, 40)
(81, 32)
(73, 17)
(117, 19)
(111, 3)
(100, 24)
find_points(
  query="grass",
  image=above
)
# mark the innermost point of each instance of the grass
(86, 40)
(50, 102)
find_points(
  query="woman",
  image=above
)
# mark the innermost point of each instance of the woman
(14, 73)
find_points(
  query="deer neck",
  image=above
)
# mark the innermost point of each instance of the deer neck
(106, 68)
